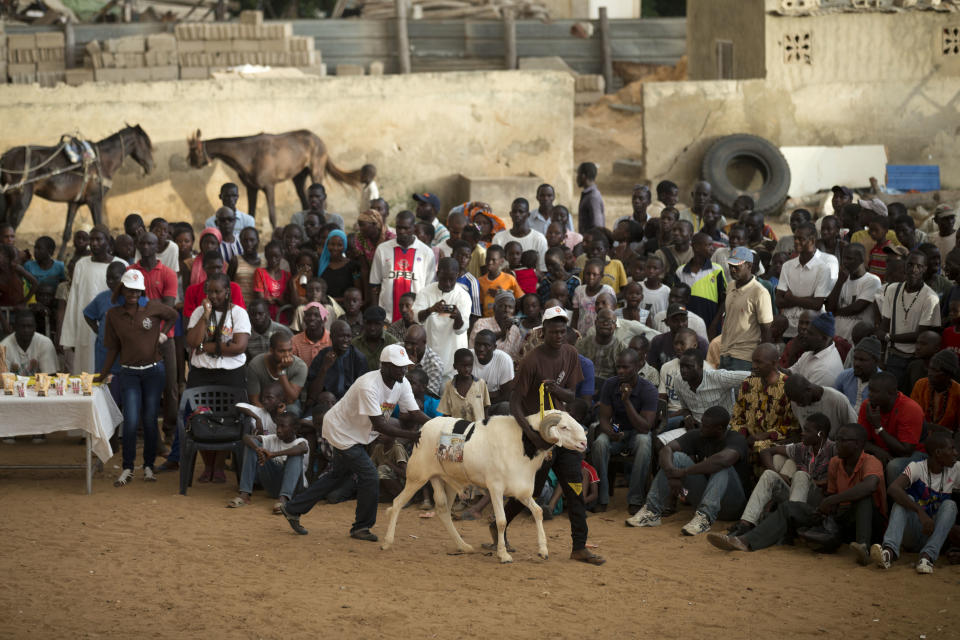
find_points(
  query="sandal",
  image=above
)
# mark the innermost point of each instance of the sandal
(219, 477)
(276, 508)
(237, 502)
(125, 477)
(206, 476)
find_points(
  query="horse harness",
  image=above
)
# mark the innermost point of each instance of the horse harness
(80, 152)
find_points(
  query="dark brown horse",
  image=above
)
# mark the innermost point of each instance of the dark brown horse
(263, 160)
(50, 177)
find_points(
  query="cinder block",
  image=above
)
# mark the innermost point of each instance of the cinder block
(43, 55)
(161, 42)
(349, 70)
(213, 46)
(92, 47)
(190, 46)
(50, 39)
(22, 56)
(141, 74)
(376, 68)
(108, 75)
(22, 41)
(75, 77)
(50, 78)
(51, 65)
(127, 44)
(587, 97)
(590, 82)
(194, 73)
(273, 45)
(169, 72)
(319, 70)
(251, 17)
(278, 30)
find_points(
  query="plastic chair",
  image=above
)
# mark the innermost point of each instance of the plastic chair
(221, 399)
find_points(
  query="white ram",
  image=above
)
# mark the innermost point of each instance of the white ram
(493, 458)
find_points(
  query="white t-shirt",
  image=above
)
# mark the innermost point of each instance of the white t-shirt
(935, 488)
(912, 310)
(656, 300)
(383, 271)
(237, 322)
(269, 426)
(41, 349)
(669, 379)
(812, 280)
(694, 323)
(441, 336)
(533, 241)
(273, 443)
(347, 423)
(863, 288)
(495, 373)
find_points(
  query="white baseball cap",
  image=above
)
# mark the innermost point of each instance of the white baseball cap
(555, 312)
(395, 354)
(133, 279)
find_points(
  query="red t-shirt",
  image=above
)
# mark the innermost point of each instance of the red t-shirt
(195, 294)
(904, 422)
(161, 281)
(527, 279)
(403, 274)
(950, 338)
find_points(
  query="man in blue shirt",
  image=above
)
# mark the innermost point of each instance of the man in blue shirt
(628, 412)
(853, 383)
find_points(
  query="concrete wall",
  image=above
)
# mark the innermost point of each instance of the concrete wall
(916, 120)
(739, 21)
(421, 131)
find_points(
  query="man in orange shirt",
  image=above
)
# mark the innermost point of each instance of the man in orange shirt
(494, 281)
(939, 393)
(894, 424)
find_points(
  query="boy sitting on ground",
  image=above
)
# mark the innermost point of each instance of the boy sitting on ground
(276, 461)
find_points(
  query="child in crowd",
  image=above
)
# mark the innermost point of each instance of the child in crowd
(951, 335)
(560, 293)
(495, 280)
(561, 215)
(532, 310)
(167, 251)
(585, 297)
(270, 282)
(513, 251)
(469, 282)
(369, 191)
(633, 296)
(425, 233)
(556, 272)
(304, 268)
(352, 312)
(877, 260)
(243, 266)
(276, 461)
(526, 274)
(125, 248)
(44, 307)
(81, 248)
(655, 294)
(316, 291)
(478, 251)
(464, 397)
(43, 267)
(425, 400)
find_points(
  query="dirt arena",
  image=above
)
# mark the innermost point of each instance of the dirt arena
(143, 561)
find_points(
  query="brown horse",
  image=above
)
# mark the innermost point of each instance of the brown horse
(49, 176)
(263, 160)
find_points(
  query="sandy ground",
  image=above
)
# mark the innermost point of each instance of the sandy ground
(144, 561)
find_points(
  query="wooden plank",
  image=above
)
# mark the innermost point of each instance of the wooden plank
(403, 41)
(509, 39)
(606, 54)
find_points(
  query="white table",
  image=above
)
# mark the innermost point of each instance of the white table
(97, 415)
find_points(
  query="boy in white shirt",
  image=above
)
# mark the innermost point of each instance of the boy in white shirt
(276, 460)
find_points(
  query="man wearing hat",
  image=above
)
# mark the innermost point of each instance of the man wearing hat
(841, 196)
(854, 382)
(373, 338)
(354, 422)
(661, 347)
(946, 236)
(748, 314)
(428, 207)
(939, 393)
(820, 362)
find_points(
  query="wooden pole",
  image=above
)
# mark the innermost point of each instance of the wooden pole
(606, 51)
(403, 40)
(70, 44)
(509, 38)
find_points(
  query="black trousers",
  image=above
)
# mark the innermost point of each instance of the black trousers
(566, 464)
(859, 521)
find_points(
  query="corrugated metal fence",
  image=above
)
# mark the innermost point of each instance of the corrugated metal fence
(442, 45)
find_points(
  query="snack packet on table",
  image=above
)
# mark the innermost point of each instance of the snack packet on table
(42, 385)
(86, 383)
(9, 380)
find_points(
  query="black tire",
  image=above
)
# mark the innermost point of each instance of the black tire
(771, 195)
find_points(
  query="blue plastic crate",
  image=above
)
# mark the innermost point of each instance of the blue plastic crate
(913, 177)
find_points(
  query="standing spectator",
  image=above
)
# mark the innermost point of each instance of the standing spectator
(805, 281)
(400, 265)
(372, 232)
(585, 297)
(133, 336)
(337, 367)
(946, 237)
(679, 294)
(270, 282)
(43, 267)
(465, 396)
(820, 362)
(909, 308)
(229, 196)
(530, 239)
(894, 424)
(542, 216)
(590, 212)
(495, 281)
(748, 314)
(797, 217)
(398, 328)
(95, 314)
(656, 295)
(428, 208)
(851, 300)
(317, 205)
(627, 410)
(678, 253)
(230, 245)
(243, 266)
(339, 272)
(668, 197)
(443, 309)
(467, 281)
(700, 197)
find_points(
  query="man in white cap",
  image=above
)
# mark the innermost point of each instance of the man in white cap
(349, 426)
(946, 236)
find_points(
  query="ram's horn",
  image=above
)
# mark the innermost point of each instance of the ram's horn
(549, 420)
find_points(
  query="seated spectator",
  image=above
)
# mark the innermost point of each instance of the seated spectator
(373, 339)
(924, 510)
(641, 344)
(627, 409)
(820, 362)
(337, 367)
(270, 282)
(262, 328)
(465, 396)
(679, 294)
(939, 393)
(314, 338)
(894, 424)
(503, 323)
(856, 502)
(265, 415)
(670, 380)
(762, 409)
(703, 388)
(795, 472)
(316, 291)
(28, 352)
(425, 358)
(493, 366)
(854, 382)
(807, 399)
(625, 329)
(602, 348)
(661, 347)
(908, 309)
(278, 365)
(466, 280)
(710, 462)
(398, 328)
(928, 344)
(633, 308)
(275, 461)
(585, 297)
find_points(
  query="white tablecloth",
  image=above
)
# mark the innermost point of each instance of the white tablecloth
(98, 415)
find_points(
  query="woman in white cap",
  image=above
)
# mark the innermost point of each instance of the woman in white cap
(133, 335)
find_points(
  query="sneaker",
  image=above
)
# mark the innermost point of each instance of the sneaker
(727, 542)
(363, 534)
(125, 477)
(862, 552)
(149, 475)
(700, 523)
(881, 556)
(924, 566)
(644, 518)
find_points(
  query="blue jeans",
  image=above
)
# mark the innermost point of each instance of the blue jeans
(896, 466)
(345, 462)
(735, 364)
(904, 527)
(141, 390)
(278, 479)
(639, 444)
(717, 495)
